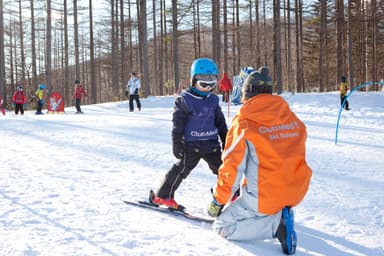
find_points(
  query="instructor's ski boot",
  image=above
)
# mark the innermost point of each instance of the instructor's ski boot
(167, 202)
(286, 231)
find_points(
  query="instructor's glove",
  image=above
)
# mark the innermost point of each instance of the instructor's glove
(136, 91)
(214, 208)
(178, 147)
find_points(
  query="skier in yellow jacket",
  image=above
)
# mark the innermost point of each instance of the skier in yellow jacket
(40, 95)
(343, 89)
(264, 157)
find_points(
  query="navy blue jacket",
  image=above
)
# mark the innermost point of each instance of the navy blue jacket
(199, 121)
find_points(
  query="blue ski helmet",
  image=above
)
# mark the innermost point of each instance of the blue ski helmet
(42, 86)
(204, 66)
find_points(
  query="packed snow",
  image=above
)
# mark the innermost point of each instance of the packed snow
(64, 176)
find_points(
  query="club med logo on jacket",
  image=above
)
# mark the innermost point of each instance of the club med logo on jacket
(204, 134)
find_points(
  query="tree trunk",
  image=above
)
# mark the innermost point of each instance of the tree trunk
(299, 85)
(156, 87)
(265, 35)
(216, 37)
(33, 45)
(161, 51)
(238, 39)
(277, 46)
(2, 56)
(323, 24)
(225, 35)
(374, 47)
(289, 45)
(114, 53)
(350, 49)
(258, 58)
(22, 50)
(123, 65)
(49, 48)
(144, 45)
(340, 38)
(175, 45)
(92, 74)
(76, 39)
(250, 38)
(67, 84)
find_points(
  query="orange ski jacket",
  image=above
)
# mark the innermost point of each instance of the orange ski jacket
(265, 149)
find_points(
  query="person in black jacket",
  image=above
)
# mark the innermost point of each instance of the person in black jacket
(198, 121)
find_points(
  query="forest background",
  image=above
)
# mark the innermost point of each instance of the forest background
(308, 45)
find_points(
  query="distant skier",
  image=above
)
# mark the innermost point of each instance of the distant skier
(2, 105)
(343, 89)
(225, 87)
(264, 156)
(238, 83)
(19, 99)
(78, 94)
(197, 123)
(40, 95)
(132, 90)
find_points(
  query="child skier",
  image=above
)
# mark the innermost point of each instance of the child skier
(264, 156)
(40, 94)
(343, 89)
(225, 87)
(78, 95)
(19, 99)
(197, 123)
(133, 87)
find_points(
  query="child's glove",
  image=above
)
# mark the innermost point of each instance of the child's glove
(214, 208)
(178, 148)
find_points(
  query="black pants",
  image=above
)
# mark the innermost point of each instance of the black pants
(225, 96)
(183, 168)
(346, 106)
(136, 98)
(77, 104)
(39, 106)
(19, 107)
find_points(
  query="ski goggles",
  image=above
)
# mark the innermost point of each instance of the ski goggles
(209, 85)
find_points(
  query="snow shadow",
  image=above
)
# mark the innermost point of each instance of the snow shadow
(311, 242)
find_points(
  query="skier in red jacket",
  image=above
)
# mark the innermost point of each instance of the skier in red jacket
(19, 99)
(225, 87)
(78, 95)
(2, 106)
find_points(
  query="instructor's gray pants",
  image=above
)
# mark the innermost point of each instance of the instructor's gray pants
(238, 222)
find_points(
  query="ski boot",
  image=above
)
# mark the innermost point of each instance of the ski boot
(170, 203)
(286, 232)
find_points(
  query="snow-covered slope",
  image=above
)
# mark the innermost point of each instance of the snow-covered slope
(63, 177)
